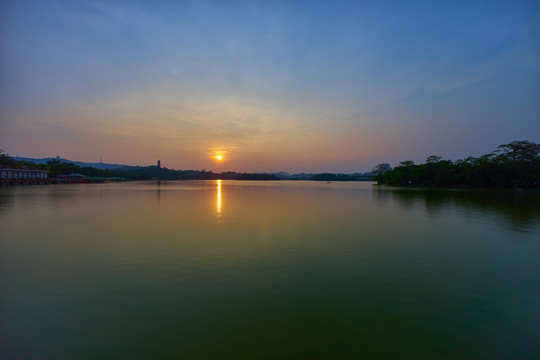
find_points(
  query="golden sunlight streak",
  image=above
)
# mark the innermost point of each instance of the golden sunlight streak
(218, 198)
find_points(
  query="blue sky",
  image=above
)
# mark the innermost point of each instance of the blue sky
(294, 86)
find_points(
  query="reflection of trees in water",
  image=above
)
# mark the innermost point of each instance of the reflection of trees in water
(158, 184)
(45, 195)
(6, 202)
(520, 207)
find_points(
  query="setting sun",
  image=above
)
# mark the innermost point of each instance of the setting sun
(219, 157)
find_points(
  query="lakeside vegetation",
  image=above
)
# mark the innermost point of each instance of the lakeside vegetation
(341, 177)
(58, 168)
(516, 164)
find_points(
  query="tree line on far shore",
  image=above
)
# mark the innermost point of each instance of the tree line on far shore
(57, 167)
(516, 164)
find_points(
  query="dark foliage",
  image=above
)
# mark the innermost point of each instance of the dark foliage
(150, 172)
(333, 177)
(247, 176)
(8, 162)
(57, 167)
(5, 159)
(516, 164)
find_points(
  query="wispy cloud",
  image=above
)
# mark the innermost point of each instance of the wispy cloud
(268, 83)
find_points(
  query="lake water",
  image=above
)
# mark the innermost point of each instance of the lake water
(267, 270)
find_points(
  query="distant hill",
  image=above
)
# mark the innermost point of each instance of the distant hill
(101, 166)
(282, 175)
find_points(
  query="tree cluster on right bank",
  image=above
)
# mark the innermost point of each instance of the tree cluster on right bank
(516, 164)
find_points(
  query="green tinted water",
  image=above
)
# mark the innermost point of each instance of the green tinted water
(267, 270)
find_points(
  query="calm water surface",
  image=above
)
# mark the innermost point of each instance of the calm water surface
(267, 270)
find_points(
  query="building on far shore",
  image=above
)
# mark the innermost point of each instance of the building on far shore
(22, 176)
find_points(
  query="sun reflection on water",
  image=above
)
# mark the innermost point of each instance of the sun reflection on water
(218, 199)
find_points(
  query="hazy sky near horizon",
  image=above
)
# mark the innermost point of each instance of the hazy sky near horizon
(272, 85)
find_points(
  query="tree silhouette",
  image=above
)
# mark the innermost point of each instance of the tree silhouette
(5, 159)
(516, 164)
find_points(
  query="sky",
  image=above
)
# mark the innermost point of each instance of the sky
(297, 86)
